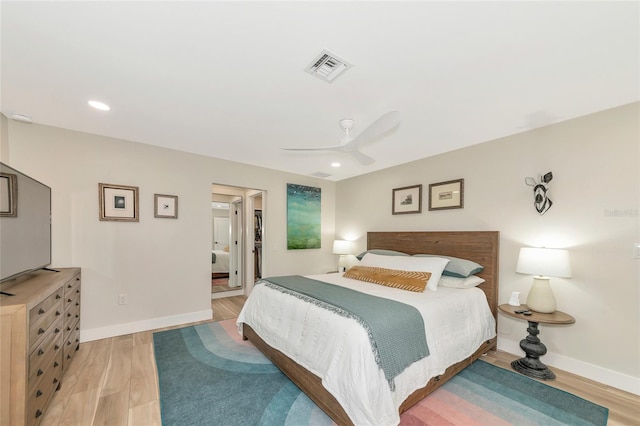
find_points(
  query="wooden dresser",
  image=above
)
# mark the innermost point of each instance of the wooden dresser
(39, 335)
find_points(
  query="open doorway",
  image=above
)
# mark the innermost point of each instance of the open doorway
(235, 265)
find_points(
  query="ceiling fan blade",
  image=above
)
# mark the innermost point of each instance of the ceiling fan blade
(326, 148)
(383, 124)
(362, 158)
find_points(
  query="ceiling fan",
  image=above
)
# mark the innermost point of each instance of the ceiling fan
(351, 144)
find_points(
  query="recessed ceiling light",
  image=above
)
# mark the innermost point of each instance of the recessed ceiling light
(336, 164)
(99, 105)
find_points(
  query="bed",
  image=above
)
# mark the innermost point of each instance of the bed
(339, 375)
(219, 263)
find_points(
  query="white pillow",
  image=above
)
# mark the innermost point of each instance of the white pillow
(455, 282)
(435, 265)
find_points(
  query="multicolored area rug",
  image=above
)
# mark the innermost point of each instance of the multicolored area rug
(209, 376)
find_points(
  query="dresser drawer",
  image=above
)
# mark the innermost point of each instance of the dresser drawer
(70, 345)
(72, 314)
(71, 301)
(42, 390)
(72, 286)
(45, 306)
(42, 317)
(40, 359)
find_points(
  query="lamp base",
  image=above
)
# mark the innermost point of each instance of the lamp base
(342, 263)
(541, 298)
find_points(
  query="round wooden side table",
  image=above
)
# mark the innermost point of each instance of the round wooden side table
(531, 365)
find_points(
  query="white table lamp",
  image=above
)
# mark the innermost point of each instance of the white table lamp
(342, 248)
(543, 263)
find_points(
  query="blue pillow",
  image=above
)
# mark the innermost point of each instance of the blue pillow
(457, 267)
(382, 252)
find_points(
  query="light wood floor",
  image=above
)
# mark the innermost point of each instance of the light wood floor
(114, 382)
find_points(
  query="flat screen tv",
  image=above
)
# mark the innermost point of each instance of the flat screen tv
(25, 224)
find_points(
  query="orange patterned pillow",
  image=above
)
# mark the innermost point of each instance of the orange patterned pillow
(405, 280)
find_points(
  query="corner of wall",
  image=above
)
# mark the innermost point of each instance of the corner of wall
(4, 139)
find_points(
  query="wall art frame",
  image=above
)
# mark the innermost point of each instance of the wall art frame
(406, 200)
(8, 195)
(304, 217)
(165, 206)
(118, 203)
(446, 195)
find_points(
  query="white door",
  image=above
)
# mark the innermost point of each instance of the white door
(235, 260)
(221, 232)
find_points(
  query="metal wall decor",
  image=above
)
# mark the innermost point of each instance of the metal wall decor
(541, 200)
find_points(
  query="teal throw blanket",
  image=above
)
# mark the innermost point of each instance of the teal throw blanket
(395, 329)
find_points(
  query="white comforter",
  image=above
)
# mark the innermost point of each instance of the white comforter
(338, 351)
(222, 261)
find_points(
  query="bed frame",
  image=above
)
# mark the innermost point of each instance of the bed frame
(479, 246)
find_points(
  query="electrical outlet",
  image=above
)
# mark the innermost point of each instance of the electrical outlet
(123, 299)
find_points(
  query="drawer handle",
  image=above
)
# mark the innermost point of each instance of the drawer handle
(69, 356)
(41, 311)
(55, 380)
(69, 314)
(77, 290)
(69, 300)
(57, 330)
(56, 347)
(40, 352)
(58, 313)
(38, 393)
(55, 364)
(40, 372)
(38, 413)
(58, 296)
(40, 331)
(68, 328)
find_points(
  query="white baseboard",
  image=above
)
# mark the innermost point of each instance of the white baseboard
(593, 372)
(228, 293)
(87, 335)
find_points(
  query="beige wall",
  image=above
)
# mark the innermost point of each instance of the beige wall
(163, 265)
(595, 161)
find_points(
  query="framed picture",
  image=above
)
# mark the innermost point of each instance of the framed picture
(446, 195)
(165, 206)
(303, 217)
(8, 195)
(118, 202)
(407, 200)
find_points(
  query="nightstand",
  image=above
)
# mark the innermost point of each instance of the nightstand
(531, 365)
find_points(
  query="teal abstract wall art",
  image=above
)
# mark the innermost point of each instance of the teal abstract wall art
(303, 217)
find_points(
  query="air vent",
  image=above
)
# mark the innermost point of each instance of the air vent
(327, 66)
(321, 175)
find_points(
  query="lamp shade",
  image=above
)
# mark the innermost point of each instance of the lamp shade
(544, 262)
(341, 247)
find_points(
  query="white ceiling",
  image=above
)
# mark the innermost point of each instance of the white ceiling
(227, 80)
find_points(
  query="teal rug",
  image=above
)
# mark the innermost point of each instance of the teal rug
(209, 376)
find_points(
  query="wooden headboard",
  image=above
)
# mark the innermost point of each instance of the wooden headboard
(480, 246)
